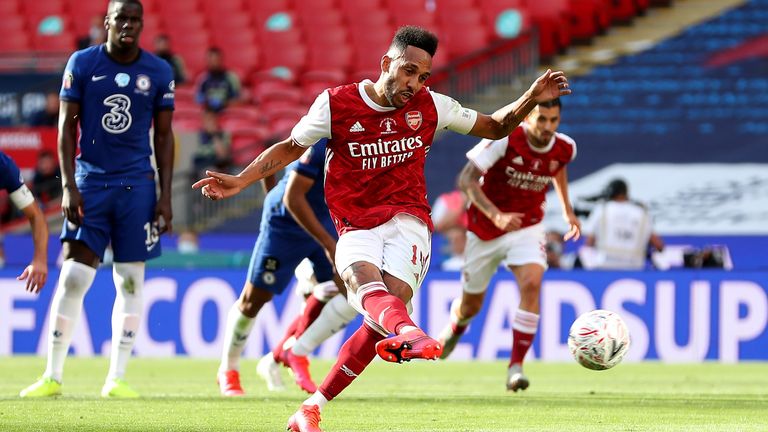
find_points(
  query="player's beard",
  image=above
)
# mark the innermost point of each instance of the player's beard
(390, 91)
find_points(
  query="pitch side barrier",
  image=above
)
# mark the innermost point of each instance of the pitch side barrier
(672, 316)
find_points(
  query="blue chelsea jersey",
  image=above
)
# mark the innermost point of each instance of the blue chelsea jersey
(10, 177)
(117, 105)
(311, 164)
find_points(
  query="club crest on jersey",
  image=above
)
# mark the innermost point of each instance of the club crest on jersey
(143, 83)
(68, 79)
(387, 125)
(553, 166)
(413, 119)
(122, 79)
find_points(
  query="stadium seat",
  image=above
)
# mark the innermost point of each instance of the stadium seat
(329, 58)
(326, 38)
(230, 22)
(64, 43)
(231, 40)
(267, 94)
(262, 9)
(14, 43)
(9, 8)
(463, 41)
(553, 23)
(358, 6)
(12, 24)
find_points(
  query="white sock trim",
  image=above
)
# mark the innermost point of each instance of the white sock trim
(526, 322)
(318, 399)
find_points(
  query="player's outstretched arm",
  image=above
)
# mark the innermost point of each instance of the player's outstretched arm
(71, 202)
(36, 272)
(548, 86)
(561, 187)
(469, 182)
(270, 161)
(164, 149)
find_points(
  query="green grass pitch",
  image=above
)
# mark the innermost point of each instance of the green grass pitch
(181, 395)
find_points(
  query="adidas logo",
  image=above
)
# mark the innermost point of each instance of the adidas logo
(518, 160)
(348, 371)
(357, 127)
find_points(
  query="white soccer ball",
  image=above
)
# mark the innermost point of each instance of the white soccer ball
(598, 340)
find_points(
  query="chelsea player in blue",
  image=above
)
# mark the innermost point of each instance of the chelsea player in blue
(295, 225)
(11, 181)
(114, 92)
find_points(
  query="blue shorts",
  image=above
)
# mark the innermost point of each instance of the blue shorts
(122, 215)
(276, 255)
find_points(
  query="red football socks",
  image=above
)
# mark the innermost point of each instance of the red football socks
(521, 342)
(356, 353)
(387, 310)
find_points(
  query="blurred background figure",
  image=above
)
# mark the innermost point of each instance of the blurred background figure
(556, 256)
(97, 34)
(450, 219)
(217, 87)
(46, 183)
(213, 147)
(618, 232)
(49, 115)
(188, 243)
(164, 51)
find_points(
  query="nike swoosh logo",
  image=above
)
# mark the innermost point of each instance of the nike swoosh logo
(616, 349)
(98, 78)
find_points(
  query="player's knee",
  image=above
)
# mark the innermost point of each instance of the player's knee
(530, 287)
(252, 299)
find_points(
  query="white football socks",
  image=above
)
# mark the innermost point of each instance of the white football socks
(318, 399)
(74, 281)
(126, 314)
(334, 317)
(235, 336)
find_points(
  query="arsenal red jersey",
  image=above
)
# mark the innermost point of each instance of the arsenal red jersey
(516, 177)
(375, 155)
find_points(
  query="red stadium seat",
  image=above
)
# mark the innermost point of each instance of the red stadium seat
(9, 7)
(230, 22)
(225, 39)
(14, 43)
(551, 18)
(12, 24)
(223, 7)
(463, 41)
(261, 9)
(64, 43)
(186, 23)
(330, 58)
(319, 21)
(292, 59)
(358, 6)
(325, 38)
(267, 95)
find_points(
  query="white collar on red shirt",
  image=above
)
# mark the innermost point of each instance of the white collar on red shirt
(544, 149)
(367, 99)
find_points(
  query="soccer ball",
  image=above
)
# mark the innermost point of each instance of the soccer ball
(598, 340)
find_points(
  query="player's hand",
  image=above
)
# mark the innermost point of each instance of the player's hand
(574, 231)
(72, 205)
(163, 211)
(550, 85)
(508, 221)
(219, 186)
(330, 253)
(35, 274)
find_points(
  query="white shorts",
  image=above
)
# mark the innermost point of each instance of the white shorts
(525, 246)
(400, 247)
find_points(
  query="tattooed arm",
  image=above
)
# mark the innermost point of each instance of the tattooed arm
(219, 185)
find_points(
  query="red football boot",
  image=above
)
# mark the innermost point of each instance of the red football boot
(306, 419)
(412, 345)
(229, 383)
(299, 365)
